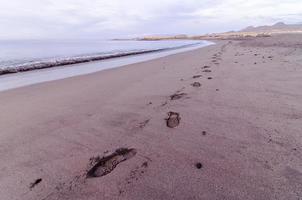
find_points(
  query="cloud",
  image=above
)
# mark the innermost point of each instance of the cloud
(119, 18)
(237, 10)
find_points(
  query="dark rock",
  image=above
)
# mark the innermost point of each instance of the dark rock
(198, 165)
(36, 182)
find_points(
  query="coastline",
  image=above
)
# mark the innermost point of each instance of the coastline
(242, 124)
(15, 80)
(81, 59)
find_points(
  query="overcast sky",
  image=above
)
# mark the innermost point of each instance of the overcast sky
(21, 19)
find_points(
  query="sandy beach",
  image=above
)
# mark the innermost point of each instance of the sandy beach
(235, 116)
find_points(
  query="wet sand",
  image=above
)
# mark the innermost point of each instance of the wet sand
(221, 122)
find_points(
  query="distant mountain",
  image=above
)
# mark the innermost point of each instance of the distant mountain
(278, 27)
(247, 33)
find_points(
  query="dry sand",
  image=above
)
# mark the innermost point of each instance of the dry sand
(235, 136)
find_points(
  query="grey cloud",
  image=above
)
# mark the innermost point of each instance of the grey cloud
(120, 18)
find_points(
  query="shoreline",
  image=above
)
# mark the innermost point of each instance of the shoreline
(78, 60)
(236, 135)
(15, 80)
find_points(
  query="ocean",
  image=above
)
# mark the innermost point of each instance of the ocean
(63, 59)
(25, 55)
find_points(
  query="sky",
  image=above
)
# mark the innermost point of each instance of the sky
(37, 19)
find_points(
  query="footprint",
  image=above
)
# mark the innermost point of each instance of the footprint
(165, 103)
(108, 163)
(177, 96)
(196, 84)
(173, 119)
(197, 76)
(144, 123)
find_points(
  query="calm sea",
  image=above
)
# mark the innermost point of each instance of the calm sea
(28, 53)
(16, 55)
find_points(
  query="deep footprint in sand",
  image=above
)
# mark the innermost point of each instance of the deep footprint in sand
(108, 163)
(173, 119)
(196, 84)
(206, 70)
(197, 76)
(177, 96)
